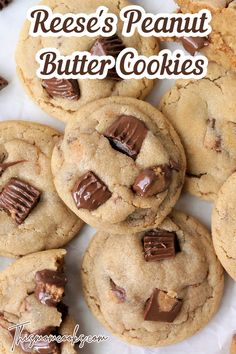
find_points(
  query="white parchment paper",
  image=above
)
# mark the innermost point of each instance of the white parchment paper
(14, 104)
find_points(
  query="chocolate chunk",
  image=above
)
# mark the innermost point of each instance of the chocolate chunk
(63, 309)
(4, 3)
(159, 245)
(50, 286)
(3, 82)
(18, 198)
(152, 181)
(212, 139)
(119, 292)
(62, 88)
(90, 192)
(194, 44)
(6, 165)
(161, 307)
(112, 46)
(126, 135)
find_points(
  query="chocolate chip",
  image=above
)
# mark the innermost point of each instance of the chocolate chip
(3, 82)
(112, 46)
(159, 245)
(152, 181)
(50, 286)
(62, 88)
(6, 165)
(119, 292)
(194, 44)
(4, 3)
(18, 198)
(90, 192)
(126, 135)
(161, 307)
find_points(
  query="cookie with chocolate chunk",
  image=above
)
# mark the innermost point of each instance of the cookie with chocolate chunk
(203, 113)
(21, 303)
(32, 216)
(141, 287)
(224, 226)
(61, 97)
(220, 46)
(120, 166)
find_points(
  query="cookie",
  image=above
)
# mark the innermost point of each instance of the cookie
(203, 113)
(61, 97)
(32, 216)
(224, 226)
(120, 166)
(221, 43)
(142, 288)
(31, 290)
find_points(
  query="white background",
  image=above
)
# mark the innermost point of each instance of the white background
(14, 104)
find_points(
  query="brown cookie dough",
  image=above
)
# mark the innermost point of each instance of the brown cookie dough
(21, 301)
(120, 166)
(32, 216)
(148, 301)
(221, 46)
(203, 113)
(87, 90)
(224, 226)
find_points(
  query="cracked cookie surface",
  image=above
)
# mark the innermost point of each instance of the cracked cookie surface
(90, 90)
(118, 282)
(90, 156)
(224, 226)
(25, 157)
(203, 113)
(222, 40)
(19, 304)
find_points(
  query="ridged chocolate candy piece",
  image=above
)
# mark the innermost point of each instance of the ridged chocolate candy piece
(62, 88)
(152, 181)
(90, 192)
(50, 286)
(119, 292)
(3, 82)
(112, 46)
(194, 44)
(161, 307)
(18, 198)
(4, 3)
(6, 165)
(126, 135)
(160, 245)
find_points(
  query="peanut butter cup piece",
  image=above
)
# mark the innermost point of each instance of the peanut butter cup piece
(119, 292)
(50, 286)
(159, 245)
(90, 192)
(18, 199)
(112, 46)
(3, 82)
(161, 307)
(152, 181)
(62, 88)
(126, 135)
(194, 44)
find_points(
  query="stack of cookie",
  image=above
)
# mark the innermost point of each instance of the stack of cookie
(150, 274)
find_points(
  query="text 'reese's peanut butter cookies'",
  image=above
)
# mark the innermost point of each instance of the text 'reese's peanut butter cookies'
(203, 114)
(32, 216)
(220, 46)
(159, 287)
(61, 97)
(120, 166)
(224, 226)
(31, 290)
